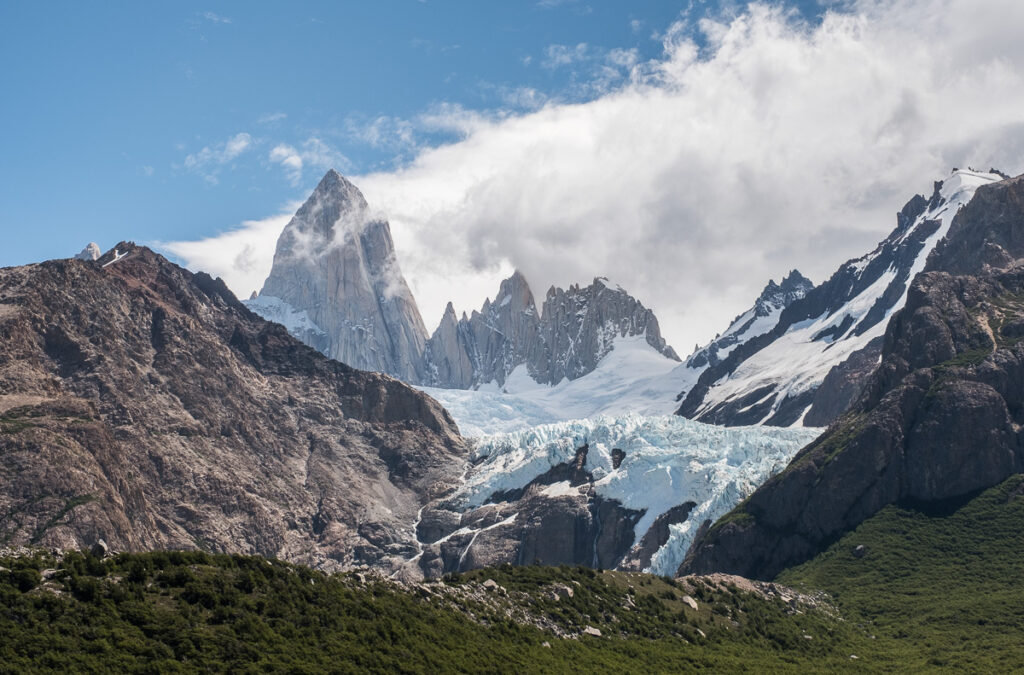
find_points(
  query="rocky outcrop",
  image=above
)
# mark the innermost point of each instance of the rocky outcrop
(772, 378)
(489, 344)
(336, 262)
(556, 519)
(939, 419)
(146, 407)
(580, 326)
(566, 339)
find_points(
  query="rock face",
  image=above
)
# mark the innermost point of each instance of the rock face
(772, 378)
(336, 262)
(580, 326)
(146, 407)
(488, 345)
(566, 339)
(556, 519)
(938, 420)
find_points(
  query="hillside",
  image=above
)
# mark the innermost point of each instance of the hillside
(144, 405)
(189, 612)
(929, 590)
(939, 588)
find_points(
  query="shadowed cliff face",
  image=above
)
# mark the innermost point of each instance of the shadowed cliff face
(146, 406)
(939, 420)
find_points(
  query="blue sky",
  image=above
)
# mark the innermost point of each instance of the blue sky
(689, 150)
(105, 101)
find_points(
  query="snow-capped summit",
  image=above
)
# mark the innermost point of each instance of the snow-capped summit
(90, 252)
(779, 296)
(337, 280)
(776, 378)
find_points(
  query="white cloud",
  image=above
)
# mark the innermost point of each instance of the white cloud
(209, 161)
(709, 171)
(272, 118)
(623, 58)
(314, 153)
(216, 18)
(242, 256)
(557, 56)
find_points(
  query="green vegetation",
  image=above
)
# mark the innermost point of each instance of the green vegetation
(935, 590)
(939, 590)
(972, 357)
(188, 612)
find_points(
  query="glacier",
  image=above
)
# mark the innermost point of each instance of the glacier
(669, 460)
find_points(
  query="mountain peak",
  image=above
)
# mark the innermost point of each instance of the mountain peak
(794, 285)
(334, 190)
(794, 280)
(337, 262)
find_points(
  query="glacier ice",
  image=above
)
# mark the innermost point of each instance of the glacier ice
(669, 460)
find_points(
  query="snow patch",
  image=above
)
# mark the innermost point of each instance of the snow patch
(560, 489)
(277, 310)
(632, 377)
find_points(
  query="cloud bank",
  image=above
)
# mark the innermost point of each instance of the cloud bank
(776, 145)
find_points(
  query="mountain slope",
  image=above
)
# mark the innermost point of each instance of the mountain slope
(762, 317)
(939, 419)
(774, 378)
(144, 405)
(940, 588)
(336, 263)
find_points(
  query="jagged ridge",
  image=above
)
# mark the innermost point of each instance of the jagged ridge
(939, 420)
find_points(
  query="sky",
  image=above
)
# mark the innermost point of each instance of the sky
(690, 151)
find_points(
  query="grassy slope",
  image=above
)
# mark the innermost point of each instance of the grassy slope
(934, 591)
(944, 590)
